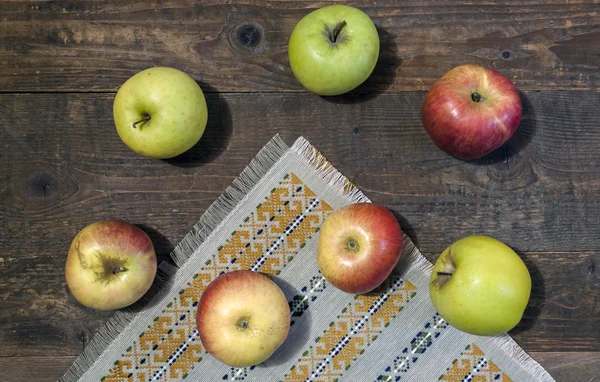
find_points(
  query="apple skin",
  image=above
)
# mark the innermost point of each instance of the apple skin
(175, 105)
(359, 246)
(331, 68)
(489, 288)
(110, 265)
(462, 127)
(242, 318)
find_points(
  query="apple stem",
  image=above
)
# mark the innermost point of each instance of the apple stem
(336, 31)
(476, 97)
(444, 274)
(117, 270)
(143, 120)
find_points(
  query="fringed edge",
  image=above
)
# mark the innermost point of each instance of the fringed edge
(233, 195)
(210, 220)
(508, 345)
(413, 258)
(327, 171)
(117, 325)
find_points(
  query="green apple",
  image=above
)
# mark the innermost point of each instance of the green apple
(160, 112)
(480, 285)
(333, 49)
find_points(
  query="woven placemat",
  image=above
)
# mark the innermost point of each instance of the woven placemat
(268, 221)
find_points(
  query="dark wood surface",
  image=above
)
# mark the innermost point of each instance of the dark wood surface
(63, 165)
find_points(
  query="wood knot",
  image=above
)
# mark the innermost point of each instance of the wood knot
(41, 185)
(248, 37)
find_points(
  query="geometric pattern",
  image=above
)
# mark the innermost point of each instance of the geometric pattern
(418, 345)
(266, 240)
(299, 303)
(472, 366)
(355, 328)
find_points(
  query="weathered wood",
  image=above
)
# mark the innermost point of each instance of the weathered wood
(563, 366)
(570, 367)
(38, 369)
(64, 167)
(97, 45)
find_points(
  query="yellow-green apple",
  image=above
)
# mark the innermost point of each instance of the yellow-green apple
(160, 112)
(471, 111)
(480, 286)
(333, 49)
(359, 246)
(110, 265)
(242, 318)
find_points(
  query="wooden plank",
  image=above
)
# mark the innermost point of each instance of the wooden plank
(569, 367)
(65, 167)
(563, 366)
(38, 369)
(96, 45)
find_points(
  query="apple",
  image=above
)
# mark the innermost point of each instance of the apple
(471, 111)
(160, 112)
(333, 49)
(359, 246)
(242, 318)
(480, 285)
(110, 265)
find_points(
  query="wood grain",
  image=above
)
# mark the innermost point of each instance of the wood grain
(38, 369)
(96, 45)
(65, 167)
(568, 367)
(563, 366)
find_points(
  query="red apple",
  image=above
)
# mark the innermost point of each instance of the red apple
(358, 247)
(242, 318)
(110, 265)
(471, 111)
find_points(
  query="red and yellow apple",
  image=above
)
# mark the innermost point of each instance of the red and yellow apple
(242, 318)
(471, 111)
(110, 265)
(359, 246)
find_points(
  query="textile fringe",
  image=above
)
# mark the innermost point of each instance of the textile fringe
(117, 323)
(330, 174)
(412, 257)
(512, 349)
(233, 195)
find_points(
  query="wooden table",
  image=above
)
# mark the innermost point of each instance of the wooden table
(63, 165)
